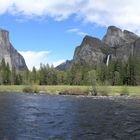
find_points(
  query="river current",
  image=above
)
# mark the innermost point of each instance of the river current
(44, 117)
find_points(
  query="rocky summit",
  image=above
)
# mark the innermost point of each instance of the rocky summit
(116, 44)
(9, 53)
(116, 37)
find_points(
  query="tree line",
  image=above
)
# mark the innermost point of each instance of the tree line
(116, 73)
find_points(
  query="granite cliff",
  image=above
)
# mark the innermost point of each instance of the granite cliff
(9, 53)
(116, 37)
(116, 44)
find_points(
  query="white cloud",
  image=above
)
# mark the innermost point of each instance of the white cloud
(33, 58)
(59, 10)
(122, 13)
(77, 31)
(73, 30)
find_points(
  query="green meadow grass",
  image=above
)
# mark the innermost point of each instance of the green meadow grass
(112, 90)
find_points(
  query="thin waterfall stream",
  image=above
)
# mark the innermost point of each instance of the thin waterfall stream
(107, 61)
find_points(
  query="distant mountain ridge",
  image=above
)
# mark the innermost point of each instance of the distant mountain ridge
(64, 66)
(9, 53)
(116, 44)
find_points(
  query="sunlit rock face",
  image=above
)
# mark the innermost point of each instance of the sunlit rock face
(117, 44)
(9, 53)
(116, 37)
(92, 51)
(123, 42)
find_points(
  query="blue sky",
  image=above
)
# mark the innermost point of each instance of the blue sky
(57, 39)
(49, 31)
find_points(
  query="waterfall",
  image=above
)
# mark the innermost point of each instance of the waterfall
(107, 61)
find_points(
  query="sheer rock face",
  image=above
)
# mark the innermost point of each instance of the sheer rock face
(116, 37)
(116, 43)
(9, 53)
(122, 41)
(91, 51)
(136, 48)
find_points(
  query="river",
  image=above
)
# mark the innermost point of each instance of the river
(44, 117)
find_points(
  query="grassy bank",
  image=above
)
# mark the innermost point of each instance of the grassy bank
(112, 90)
(42, 89)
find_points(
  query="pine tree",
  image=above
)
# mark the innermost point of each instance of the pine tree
(13, 76)
(33, 76)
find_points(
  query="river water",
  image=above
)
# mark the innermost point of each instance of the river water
(43, 117)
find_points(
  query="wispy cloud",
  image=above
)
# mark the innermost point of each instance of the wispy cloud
(77, 31)
(122, 13)
(73, 30)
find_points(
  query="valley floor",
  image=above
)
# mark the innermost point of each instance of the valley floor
(109, 90)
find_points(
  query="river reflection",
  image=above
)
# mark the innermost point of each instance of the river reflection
(43, 117)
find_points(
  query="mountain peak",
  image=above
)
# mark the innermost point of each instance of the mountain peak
(9, 53)
(1, 29)
(114, 29)
(116, 37)
(116, 44)
(90, 40)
